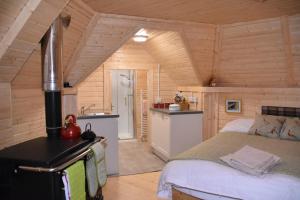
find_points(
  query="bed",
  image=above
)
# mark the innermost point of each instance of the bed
(187, 178)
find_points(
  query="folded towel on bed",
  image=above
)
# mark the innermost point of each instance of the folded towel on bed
(251, 160)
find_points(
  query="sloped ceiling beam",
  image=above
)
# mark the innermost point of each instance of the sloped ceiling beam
(107, 33)
(25, 33)
(100, 42)
(169, 50)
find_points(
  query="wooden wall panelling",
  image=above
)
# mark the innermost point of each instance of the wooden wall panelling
(102, 42)
(130, 56)
(151, 23)
(252, 52)
(25, 33)
(27, 103)
(167, 86)
(169, 50)
(30, 75)
(294, 30)
(199, 42)
(28, 114)
(81, 17)
(217, 52)
(251, 104)
(190, 55)
(5, 107)
(80, 44)
(288, 50)
(91, 92)
(19, 13)
(9, 10)
(107, 100)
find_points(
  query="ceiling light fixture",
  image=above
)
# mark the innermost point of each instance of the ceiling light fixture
(140, 36)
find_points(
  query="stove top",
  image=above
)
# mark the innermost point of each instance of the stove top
(43, 151)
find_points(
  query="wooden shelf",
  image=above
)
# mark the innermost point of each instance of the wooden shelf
(282, 91)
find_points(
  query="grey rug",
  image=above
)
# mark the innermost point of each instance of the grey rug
(136, 158)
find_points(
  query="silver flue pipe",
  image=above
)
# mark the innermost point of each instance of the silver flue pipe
(51, 46)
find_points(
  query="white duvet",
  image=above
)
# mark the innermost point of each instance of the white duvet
(209, 180)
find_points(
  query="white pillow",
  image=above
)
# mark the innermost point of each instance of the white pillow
(238, 125)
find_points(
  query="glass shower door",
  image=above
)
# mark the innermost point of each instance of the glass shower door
(122, 101)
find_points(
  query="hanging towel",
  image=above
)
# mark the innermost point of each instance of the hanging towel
(99, 153)
(66, 187)
(91, 176)
(76, 181)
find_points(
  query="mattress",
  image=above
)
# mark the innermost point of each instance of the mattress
(210, 180)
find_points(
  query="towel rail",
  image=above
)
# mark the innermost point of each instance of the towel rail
(62, 166)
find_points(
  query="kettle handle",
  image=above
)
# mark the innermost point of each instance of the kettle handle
(72, 116)
(90, 126)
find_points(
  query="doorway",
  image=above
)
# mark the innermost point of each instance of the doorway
(123, 101)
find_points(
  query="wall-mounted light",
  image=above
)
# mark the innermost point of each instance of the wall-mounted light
(140, 36)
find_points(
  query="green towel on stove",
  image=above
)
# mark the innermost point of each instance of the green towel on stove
(76, 180)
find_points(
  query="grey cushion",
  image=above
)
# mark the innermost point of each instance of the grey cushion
(267, 125)
(291, 129)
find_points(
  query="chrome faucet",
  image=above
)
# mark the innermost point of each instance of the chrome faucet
(83, 108)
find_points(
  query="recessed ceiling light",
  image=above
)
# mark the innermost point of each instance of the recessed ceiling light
(140, 36)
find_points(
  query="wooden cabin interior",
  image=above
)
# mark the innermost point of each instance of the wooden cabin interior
(213, 51)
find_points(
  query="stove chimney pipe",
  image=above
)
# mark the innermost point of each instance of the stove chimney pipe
(51, 44)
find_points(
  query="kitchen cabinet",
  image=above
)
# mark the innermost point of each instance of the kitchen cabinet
(105, 125)
(174, 131)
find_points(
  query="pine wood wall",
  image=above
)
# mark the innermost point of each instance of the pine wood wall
(95, 88)
(26, 117)
(256, 62)
(260, 53)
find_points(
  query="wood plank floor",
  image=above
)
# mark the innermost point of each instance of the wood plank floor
(132, 187)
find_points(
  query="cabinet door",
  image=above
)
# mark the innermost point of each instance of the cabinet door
(161, 133)
(186, 132)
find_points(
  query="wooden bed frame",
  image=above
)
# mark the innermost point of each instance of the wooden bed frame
(177, 195)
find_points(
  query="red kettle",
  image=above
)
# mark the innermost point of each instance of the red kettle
(70, 130)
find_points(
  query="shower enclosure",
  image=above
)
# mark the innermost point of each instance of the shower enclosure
(122, 101)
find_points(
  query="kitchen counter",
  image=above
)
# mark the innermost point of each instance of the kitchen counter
(96, 116)
(173, 132)
(168, 112)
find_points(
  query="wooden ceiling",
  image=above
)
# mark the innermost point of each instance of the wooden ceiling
(169, 50)
(107, 33)
(205, 11)
(22, 26)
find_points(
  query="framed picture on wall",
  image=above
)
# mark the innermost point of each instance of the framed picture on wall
(233, 105)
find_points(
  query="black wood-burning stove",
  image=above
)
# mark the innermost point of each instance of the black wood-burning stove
(33, 169)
